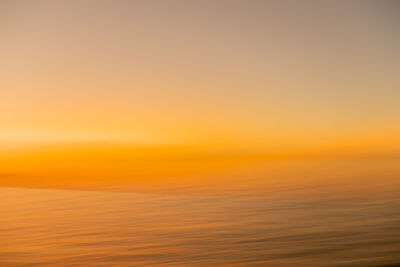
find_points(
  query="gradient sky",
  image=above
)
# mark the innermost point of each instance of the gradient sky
(269, 74)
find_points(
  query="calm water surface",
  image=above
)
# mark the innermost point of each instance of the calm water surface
(328, 224)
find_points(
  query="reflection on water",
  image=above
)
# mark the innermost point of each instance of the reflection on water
(301, 226)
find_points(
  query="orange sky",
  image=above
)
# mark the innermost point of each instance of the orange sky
(269, 75)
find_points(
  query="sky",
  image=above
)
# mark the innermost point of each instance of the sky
(274, 75)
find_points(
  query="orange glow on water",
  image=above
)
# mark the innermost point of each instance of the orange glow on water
(199, 133)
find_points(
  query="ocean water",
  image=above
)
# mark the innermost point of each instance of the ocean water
(343, 216)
